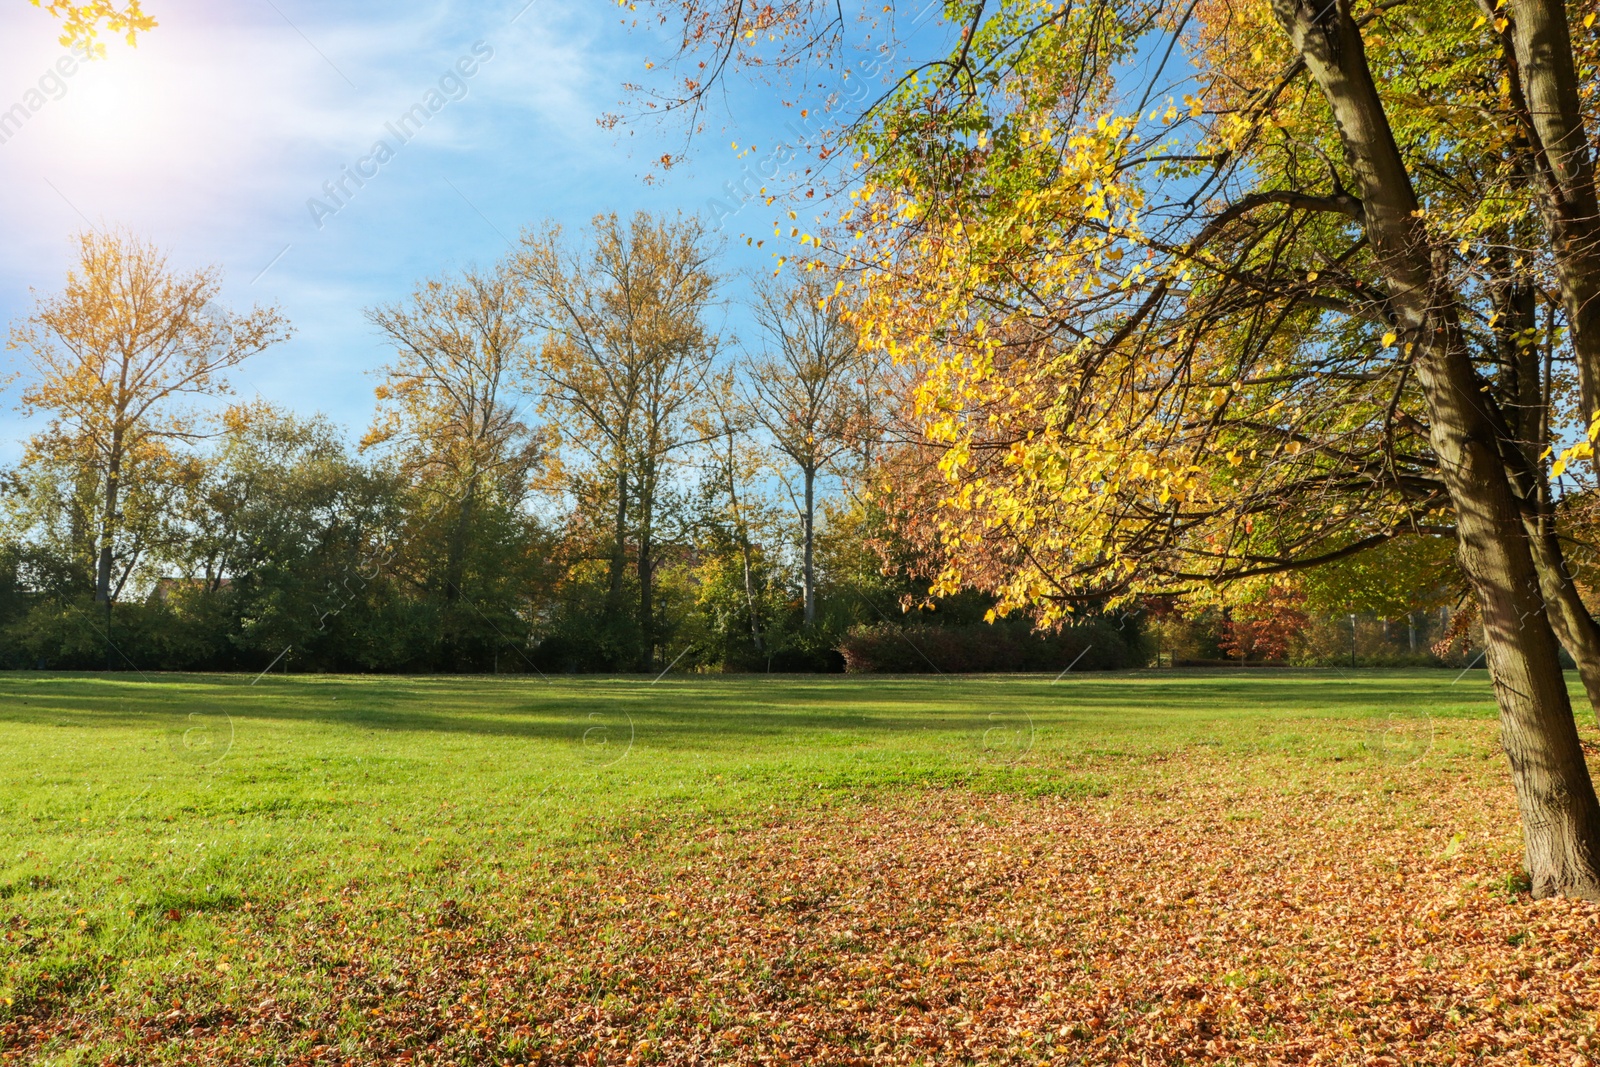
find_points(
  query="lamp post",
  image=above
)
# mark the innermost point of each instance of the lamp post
(1352, 639)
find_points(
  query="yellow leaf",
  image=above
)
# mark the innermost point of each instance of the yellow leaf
(1389, 339)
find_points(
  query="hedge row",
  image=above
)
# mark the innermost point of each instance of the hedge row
(981, 648)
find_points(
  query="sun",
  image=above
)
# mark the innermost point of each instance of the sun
(111, 112)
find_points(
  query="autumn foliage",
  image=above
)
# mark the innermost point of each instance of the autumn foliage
(1264, 628)
(1197, 918)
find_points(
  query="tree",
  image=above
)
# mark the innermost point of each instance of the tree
(805, 391)
(625, 359)
(731, 467)
(1264, 331)
(448, 410)
(282, 527)
(113, 358)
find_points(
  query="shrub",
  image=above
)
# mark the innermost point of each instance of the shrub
(978, 648)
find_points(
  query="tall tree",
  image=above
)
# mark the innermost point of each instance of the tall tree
(625, 358)
(805, 388)
(113, 359)
(725, 425)
(449, 408)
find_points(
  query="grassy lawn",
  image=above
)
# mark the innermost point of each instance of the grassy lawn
(1155, 867)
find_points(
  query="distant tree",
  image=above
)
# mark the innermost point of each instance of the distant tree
(291, 534)
(805, 388)
(625, 360)
(732, 465)
(1265, 625)
(1393, 579)
(449, 407)
(113, 358)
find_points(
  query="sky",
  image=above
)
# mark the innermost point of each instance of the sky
(215, 135)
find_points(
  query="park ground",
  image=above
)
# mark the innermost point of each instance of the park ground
(1152, 868)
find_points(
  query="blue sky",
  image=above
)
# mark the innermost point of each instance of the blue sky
(211, 137)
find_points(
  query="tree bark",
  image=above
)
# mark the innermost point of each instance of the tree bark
(1555, 796)
(108, 519)
(647, 618)
(1526, 431)
(1542, 45)
(619, 544)
(810, 524)
(1569, 616)
(746, 556)
(1545, 73)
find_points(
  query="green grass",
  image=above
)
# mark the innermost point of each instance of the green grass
(136, 813)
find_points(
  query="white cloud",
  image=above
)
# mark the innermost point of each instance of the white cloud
(210, 137)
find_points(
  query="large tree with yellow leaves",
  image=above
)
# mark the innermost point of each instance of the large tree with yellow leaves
(1204, 290)
(117, 362)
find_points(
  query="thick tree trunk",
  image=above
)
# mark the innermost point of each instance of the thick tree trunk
(810, 576)
(1564, 169)
(1556, 798)
(1542, 44)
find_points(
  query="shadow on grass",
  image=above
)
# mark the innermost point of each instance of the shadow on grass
(690, 712)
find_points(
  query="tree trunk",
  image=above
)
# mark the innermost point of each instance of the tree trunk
(619, 544)
(108, 534)
(741, 530)
(647, 618)
(1526, 429)
(108, 520)
(456, 547)
(1569, 616)
(1548, 80)
(750, 585)
(647, 628)
(810, 525)
(1555, 796)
